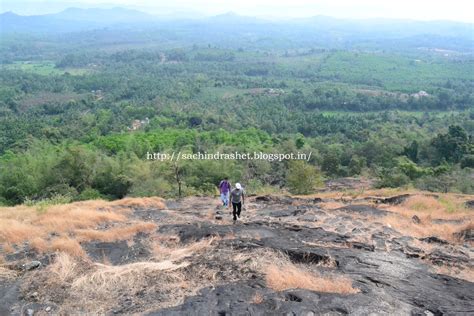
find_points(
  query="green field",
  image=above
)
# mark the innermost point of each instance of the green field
(45, 68)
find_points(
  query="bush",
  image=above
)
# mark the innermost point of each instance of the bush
(467, 161)
(89, 194)
(43, 204)
(459, 180)
(302, 178)
(411, 169)
(392, 178)
(255, 186)
(151, 187)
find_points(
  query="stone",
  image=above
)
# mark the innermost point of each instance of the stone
(363, 209)
(31, 265)
(398, 199)
(415, 219)
(434, 240)
(465, 235)
(470, 204)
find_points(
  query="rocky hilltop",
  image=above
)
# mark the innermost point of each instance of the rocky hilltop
(372, 252)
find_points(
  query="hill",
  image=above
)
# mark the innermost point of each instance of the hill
(322, 253)
(317, 30)
(72, 20)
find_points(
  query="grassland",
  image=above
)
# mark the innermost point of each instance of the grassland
(46, 68)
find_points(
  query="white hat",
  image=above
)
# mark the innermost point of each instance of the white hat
(238, 186)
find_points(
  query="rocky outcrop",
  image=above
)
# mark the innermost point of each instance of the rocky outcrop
(390, 283)
(395, 274)
(363, 210)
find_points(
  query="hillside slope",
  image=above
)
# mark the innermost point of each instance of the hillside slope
(373, 252)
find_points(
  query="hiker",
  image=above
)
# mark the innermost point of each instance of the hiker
(224, 189)
(237, 199)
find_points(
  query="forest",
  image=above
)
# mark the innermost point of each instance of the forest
(80, 110)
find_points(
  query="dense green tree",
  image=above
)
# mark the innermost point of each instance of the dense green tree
(453, 145)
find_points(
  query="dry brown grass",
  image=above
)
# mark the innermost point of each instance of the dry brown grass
(358, 193)
(444, 207)
(7, 248)
(175, 252)
(67, 245)
(114, 234)
(465, 274)
(13, 231)
(144, 202)
(7, 274)
(25, 224)
(332, 205)
(105, 279)
(257, 298)
(426, 228)
(427, 209)
(290, 276)
(22, 223)
(385, 192)
(94, 288)
(39, 244)
(64, 268)
(68, 220)
(281, 274)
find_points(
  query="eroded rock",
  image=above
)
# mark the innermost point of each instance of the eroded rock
(363, 210)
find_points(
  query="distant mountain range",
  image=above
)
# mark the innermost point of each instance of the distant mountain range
(76, 19)
(72, 19)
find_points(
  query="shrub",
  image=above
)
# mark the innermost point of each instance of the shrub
(392, 178)
(302, 178)
(89, 194)
(43, 204)
(467, 162)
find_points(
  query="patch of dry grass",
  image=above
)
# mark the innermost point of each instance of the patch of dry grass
(257, 298)
(281, 274)
(116, 233)
(465, 274)
(427, 209)
(94, 288)
(143, 202)
(68, 220)
(13, 231)
(25, 224)
(332, 205)
(349, 195)
(290, 276)
(445, 206)
(64, 268)
(175, 252)
(67, 245)
(7, 248)
(39, 244)
(7, 274)
(426, 228)
(358, 193)
(106, 279)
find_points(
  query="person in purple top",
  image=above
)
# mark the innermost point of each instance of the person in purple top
(224, 188)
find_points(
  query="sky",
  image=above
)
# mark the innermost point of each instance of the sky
(457, 10)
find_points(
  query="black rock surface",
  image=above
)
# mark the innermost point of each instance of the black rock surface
(390, 283)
